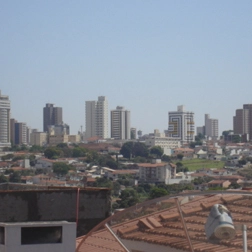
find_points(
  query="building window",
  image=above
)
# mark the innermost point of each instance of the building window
(2, 235)
(41, 235)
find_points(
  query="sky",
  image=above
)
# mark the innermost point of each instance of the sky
(148, 56)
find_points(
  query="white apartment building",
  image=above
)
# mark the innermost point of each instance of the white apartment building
(102, 117)
(97, 118)
(211, 127)
(166, 143)
(181, 125)
(156, 172)
(120, 123)
(4, 121)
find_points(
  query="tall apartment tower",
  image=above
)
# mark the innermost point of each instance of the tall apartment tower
(133, 133)
(20, 133)
(120, 123)
(52, 116)
(97, 118)
(242, 121)
(181, 125)
(4, 121)
(211, 127)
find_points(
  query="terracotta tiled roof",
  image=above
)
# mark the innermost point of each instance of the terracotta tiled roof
(101, 241)
(217, 181)
(125, 172)
(151, 165)
(165, 229)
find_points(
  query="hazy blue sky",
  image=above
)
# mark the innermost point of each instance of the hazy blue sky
(148, 56)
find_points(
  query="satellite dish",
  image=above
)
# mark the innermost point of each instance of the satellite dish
(219, 225)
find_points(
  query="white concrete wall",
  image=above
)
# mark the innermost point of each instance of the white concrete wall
(13, 238)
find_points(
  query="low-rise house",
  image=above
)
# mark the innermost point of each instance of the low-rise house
(232, 178)
(220, 172)
(186, 152)
(219, 184)
(156, 172)
(199, 175)
(89, 182)
(55, 183)
(40, 179)
(27, 180)
(44, 163)
(74, 183)
(4, 165)
(115, 174)
(201, 154)
(201, 187)
(181, 178)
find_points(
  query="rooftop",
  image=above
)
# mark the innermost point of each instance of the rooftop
(159, 225)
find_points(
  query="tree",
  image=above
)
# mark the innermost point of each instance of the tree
(236, 139)
(199, 137)
(15, 177)
(6, 157)
(127, 149)
(242, 162)
(62, 145)
(16, 158)
(61, 168)
(52, 153)
(157, 151)
(193, 144)
(146, 187)
(36, 148)
(79, 152)
(140, 149)
(128, 198)
(166, 158)
(156, 192)
(140, 160)
(225, 133)
(234, 185)
(3, 179)
(111, 164)
(180, 156)
(116, 188)
(179, 164)
(134, 149)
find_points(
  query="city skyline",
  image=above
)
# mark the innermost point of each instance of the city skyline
(148, 56)
(101, 99)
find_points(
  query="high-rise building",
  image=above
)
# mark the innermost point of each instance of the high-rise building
(181, 125)
(52, 116)
(90, 118)
(4, 121)
(133, 133)
(12, 130)
(97, 118)
(120, 123)
(211, 127)
(242, 121)
(102, 117)
(38, 138)
(20, 133)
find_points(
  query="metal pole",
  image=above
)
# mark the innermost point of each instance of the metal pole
(184, 225)
(244, 236)
(115, 236)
